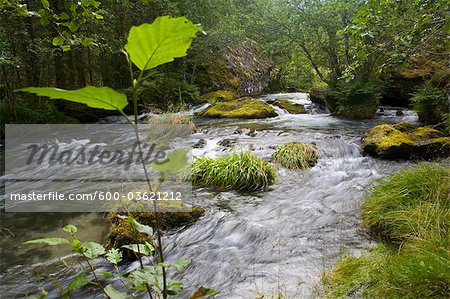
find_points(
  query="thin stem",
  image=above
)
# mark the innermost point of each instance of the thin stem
(95, 276)
(135, 86)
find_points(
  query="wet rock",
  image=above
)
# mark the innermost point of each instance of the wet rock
(248, 108)
(228, 142)
(405, 141)
(171, 216)
(290, 107)
(242, 68)
(200, 144)
(399, 112)
(217, 96)
(238, 131)
(251, 133)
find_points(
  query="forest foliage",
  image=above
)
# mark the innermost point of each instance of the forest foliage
(340, 45)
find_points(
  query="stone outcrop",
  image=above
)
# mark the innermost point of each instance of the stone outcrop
(241, 108)
(405, 141)
(242, 68)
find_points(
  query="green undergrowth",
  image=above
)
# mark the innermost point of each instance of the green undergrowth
(409, 212)
(238, 171)
(296, 155)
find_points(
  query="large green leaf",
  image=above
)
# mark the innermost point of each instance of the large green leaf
(78, 282)
(93, 250)
(95, 97)
(49, 241)
(113, 293)
(150, 45)
(175, 161)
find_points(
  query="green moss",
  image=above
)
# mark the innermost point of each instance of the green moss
(386, 136)
(238, 171)
(248, 108)
(218, 96)
(296, 155)
(290, 107)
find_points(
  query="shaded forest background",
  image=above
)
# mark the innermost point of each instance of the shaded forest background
(349, 54)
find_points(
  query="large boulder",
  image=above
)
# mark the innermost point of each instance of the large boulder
(242, 108)
(405, 141)
(217, 96)
(242, 68)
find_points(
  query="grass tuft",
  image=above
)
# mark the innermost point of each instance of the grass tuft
(410, 212)
(239, 171)
(296, 155)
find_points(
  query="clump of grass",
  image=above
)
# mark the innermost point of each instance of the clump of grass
(410, 203)
(239, 171)
(387, 273)
(410, 212)
(296, 155)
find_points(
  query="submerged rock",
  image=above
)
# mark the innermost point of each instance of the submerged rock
(405, 141)
(173, 214)
(244, 108)
(290, 107)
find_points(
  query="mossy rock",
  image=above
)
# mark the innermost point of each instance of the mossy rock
(290, 107)
(171, 216)
(405, 141)
(247, 108)
(217, 96)
(296, 155)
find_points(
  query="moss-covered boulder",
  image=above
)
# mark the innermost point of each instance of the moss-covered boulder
(290, 107)
(173, 214)
(217, 96)
(243, 108)
(405, 141)
(241, 67)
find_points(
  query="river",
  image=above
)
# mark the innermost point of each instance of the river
(246, 244)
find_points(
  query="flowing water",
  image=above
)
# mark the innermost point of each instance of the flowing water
(275, 241)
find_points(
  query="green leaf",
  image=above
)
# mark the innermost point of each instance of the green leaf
(175, 161)
(45, 4)
(107, 274)
(113, 293)
(95, 97)
(142, 228)
(114, 256)
(150, 45)
(93, 250)
(58, 41)
(78, 282)
(77, 246)
(174, 288)
(65, 48)
(145, 249)
(49, 241)
(181, 264)
(70, 229)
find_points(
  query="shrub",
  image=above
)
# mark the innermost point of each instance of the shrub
(430, 103)
(296, 155)
(357, 99)
(170, 91)
(239, 171)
